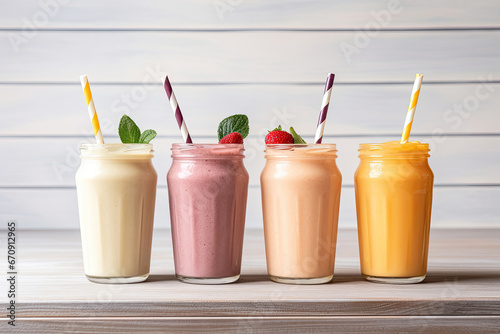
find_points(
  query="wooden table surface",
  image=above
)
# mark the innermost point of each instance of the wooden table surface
(460, 295)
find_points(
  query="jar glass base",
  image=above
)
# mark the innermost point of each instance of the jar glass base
(394, 280)
(209, 280)
(118, 280)
(304, 281)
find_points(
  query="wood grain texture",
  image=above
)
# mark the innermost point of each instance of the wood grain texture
(355, 109)
(249, 56)
(197, 14)
(54, 161)
(463, 281)
(56, 208)
(229, 62)
(468, 207)
(344, 324)
(34, 194)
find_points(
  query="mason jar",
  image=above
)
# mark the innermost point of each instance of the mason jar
(393, 186)
(116, 187)
(207, 189)
(300, 201)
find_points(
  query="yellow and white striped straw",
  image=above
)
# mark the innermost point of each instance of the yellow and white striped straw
(91, 107)
(411, 108)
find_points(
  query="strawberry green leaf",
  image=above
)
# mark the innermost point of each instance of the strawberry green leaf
(276, 129)
(296, 138)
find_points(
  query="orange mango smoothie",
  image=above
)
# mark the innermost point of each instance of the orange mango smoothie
(393, 186)
(300, 199)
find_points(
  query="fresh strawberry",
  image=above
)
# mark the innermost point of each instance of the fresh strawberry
(232, 138)
(279, 137)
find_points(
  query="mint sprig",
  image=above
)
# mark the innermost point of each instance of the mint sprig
(147, 136)
(235, 123)
(296, 138)
(131, 134)
(129, 131)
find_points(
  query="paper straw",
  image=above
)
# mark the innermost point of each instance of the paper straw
(324, 108)
(177, 111)
(91, 107)
(411, 108)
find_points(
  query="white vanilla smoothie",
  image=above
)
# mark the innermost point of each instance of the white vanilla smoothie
(116, 186)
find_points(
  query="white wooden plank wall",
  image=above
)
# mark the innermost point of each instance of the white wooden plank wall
(267, 59)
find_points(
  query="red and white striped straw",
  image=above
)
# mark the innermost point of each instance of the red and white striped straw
(324, 108)
(177, 111)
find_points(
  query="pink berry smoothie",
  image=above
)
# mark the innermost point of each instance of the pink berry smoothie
(207, 187)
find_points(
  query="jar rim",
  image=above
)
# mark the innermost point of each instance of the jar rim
(394, 148)
(117, 149)
(291, 147)
(413, 146)
(300, 151)
(209, 150)
(192, 146)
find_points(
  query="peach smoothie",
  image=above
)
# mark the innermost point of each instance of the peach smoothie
(393, 186)
(116, 187)
(300, 200)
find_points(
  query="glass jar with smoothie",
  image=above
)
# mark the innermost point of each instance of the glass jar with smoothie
(116, 186)
(207, 187)
(300, 200)
(393, 186)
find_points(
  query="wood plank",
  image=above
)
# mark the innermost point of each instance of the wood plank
(249, 56)
(454, 160)
(463, 280)
(465, 207)
(389, 324)
(258, 14)
(57, 208)
(355, 109)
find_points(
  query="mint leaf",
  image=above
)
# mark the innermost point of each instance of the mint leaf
(235, 123)
(129, 132)
(296, 138)
(147, 136)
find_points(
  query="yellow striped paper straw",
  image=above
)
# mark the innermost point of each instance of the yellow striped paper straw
(411, 108)
(91, 107)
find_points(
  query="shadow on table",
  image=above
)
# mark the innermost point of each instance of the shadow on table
(432, 277)
(243, 278)
(458, 277)
(158, 278)
(337, 279)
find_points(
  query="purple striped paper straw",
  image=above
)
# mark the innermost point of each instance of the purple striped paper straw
(176, 110)
(324, 108)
